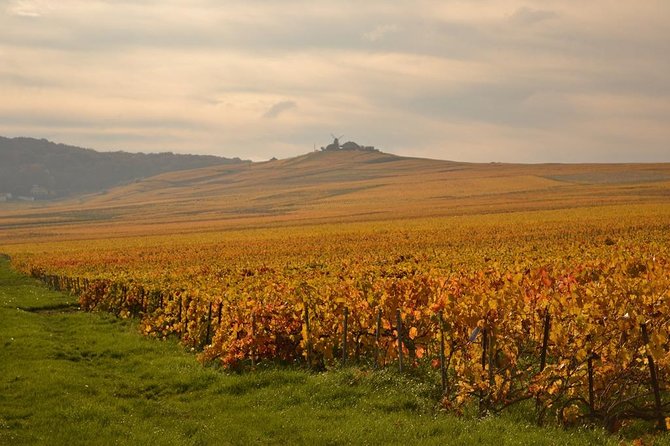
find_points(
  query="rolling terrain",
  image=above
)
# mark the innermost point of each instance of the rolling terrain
(332, 187)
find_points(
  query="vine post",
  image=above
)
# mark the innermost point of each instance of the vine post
(308, 341)
(591, 392)
(377, 334)
(482, 402)
(658, 407)
(344, 335)
(443, 366)
(545, 339)
(209, 324)
(253, 340)
(399, 329)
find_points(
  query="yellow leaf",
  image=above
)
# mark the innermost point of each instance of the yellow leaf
(413, 332)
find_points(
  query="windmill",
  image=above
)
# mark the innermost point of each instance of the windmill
(336, 140)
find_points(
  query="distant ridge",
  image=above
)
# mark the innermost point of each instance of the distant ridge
(39, 169)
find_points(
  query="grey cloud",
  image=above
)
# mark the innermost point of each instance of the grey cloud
(379, 32)
(57, 119)
(28, 81)
(299, 32)
(28, 8)
(279, 108)
(529, 16)
(510, 104)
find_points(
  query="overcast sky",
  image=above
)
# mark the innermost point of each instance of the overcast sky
(470, 80)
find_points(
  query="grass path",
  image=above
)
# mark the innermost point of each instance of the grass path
(68, 377)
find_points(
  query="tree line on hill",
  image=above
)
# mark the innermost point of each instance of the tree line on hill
(39, 169)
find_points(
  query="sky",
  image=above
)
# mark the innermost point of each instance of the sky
(467, 80)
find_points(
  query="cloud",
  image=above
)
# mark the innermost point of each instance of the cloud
(451, 79)
(528, 16)
(379, 32)
(279, 108)
(28, 8)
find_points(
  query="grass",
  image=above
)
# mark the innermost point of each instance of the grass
(68, 377)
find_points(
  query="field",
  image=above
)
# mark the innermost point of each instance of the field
(538, 292)
(331, 188)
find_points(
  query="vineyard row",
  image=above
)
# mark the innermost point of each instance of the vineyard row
(586, 342)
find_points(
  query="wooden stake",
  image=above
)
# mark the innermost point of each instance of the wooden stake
(491, 355)
(377, 334)
(253, 339)
(443, 366)
(591, 392)
(482, 405)
(399, 329)
(545, 339)
(188, 304)
(654, 379)
(308, 340)
(344, 336)
(484, 345)
(209, 324)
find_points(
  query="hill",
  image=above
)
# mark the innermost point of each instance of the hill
(40, 169)
(334, 187)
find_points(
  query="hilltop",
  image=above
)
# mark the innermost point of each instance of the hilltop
(39, 169)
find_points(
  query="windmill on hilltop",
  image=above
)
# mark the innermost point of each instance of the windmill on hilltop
(350, 145)
(336, 143)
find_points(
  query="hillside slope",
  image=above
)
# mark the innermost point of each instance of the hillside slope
(37, 168)
(332, 187)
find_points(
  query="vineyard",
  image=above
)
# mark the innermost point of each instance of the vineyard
(569, 314)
